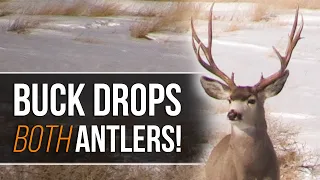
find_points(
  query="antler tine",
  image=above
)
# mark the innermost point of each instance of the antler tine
(284, 60)
(196, 38)
(206, 50)
(197, 49)
(293, 40)
(202, 62)
(210, 28)
(211, 67)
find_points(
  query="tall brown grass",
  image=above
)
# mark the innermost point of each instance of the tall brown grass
(24, 24)
(309, 4)
(107, 8)
(58, 8)
(102, 172)
(292, 155)
(233, 26)
(175, 17)
(260, 12)
(4, 8)
(75, 8)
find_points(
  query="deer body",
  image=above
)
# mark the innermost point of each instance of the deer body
(247, 153)
(243, 156)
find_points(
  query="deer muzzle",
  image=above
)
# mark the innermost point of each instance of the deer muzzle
(234, 115)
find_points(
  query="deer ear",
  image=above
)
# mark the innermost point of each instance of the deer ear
(276, 87)
(215, 88)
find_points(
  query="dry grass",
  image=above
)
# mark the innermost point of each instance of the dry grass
(141, 29)
(146, 11)
(260, 12)
(182, 11)
(24, 24)
(58, 8)
(103, 172)
(174, 18)
(291, 4)
(76, 8)
(4, 9)
(309, 4)
(233, 26)
(105, 9)
(284, 139)
(4, 13)
(293, 156)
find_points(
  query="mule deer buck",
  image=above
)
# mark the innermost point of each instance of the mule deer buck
(247, 152)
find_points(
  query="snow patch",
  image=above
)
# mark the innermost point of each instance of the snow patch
(72, 26)
(241, 45)
(292, 115)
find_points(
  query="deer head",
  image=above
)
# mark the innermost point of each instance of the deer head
(246, 102)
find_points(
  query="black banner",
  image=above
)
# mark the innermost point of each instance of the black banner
(101, 118)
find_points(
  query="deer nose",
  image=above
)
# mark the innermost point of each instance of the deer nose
(232, 115)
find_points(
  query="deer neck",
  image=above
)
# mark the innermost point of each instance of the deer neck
(244, 133)
(248, 143)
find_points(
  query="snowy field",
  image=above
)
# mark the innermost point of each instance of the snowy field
(246, 51)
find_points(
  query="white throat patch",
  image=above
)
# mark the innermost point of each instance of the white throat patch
(242, 128)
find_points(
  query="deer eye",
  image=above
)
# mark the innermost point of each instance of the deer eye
(251, 101)
(229, 100)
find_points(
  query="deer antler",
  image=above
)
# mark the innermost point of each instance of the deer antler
(212, 67)
(284, 60)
